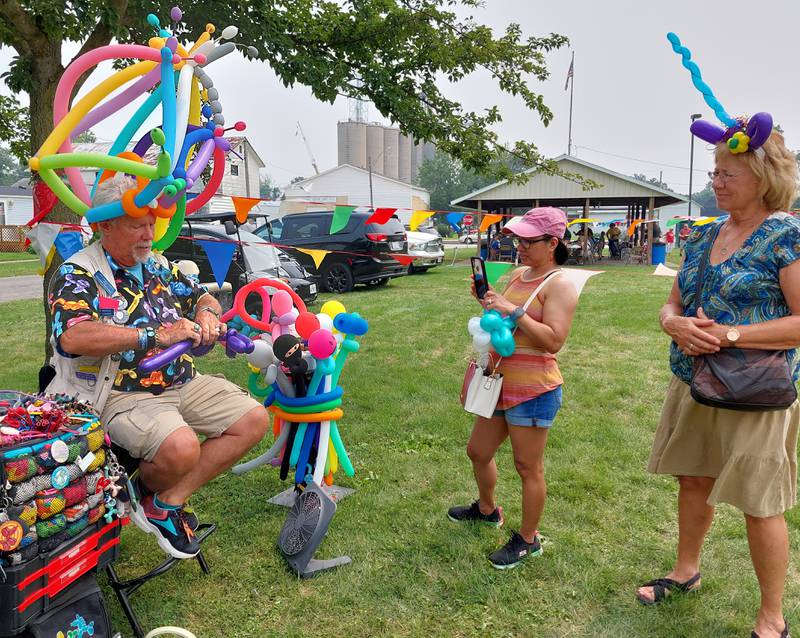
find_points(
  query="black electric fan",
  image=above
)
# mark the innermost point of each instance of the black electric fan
(306, 525)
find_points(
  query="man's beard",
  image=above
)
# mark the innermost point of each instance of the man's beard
(140, 255)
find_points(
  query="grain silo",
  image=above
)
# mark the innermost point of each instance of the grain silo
(416, 161)
(391, 152)
(375, 147)
(405, 148)
(352, 144)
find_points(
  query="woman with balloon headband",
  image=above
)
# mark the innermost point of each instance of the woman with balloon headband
(542, 303)
(729, 425)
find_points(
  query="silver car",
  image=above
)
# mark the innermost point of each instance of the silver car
(426, 249)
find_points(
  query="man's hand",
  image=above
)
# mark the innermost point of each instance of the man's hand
(181, 330)
(210, 326)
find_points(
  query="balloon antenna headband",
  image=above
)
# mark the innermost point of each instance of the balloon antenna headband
(740, 134)
(166, 74)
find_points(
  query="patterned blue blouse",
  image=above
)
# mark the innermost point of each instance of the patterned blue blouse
(744, 288)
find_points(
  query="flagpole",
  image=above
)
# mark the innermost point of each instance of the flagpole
(571, 92)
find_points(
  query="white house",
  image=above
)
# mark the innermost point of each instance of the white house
(346, 184)
(16, 205)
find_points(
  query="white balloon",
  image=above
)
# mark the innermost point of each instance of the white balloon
(474, 326)
(262, 354)
(325, 321)
(482, 341)
(310, 360)
(229, 32)
(270, 374)
(339, 337)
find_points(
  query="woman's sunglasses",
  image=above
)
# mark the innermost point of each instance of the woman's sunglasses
(527, 243)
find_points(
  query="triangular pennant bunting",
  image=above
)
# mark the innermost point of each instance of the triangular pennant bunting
(419, 216)
(496, 269)
(403, 259)
(42, 237)
(381, 216)
(68, 243)
(453, 219)
(341, 215)
(220, 254)
(242, 206)
(488, 220)
(316, 255)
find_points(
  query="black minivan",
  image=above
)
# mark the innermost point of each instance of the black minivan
(361, 253)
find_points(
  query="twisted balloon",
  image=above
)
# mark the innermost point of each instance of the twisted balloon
(697, 80)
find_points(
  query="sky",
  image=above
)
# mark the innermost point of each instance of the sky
(632, 97)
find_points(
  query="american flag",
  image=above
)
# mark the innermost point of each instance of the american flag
(571, 72)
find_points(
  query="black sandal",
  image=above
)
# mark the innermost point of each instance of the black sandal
(784, 633)
(661, 587)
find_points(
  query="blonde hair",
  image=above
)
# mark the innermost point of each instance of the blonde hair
(775, 169)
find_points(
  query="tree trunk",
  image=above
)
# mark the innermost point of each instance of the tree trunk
(46, 72)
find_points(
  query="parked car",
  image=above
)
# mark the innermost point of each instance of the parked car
(360, 252)
(426, 249)
(470, 238)
(252, 260)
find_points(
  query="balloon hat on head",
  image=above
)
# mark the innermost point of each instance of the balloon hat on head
(740, 134)
(191, 134)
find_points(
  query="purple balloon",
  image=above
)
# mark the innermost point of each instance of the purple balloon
(707, 131)
(235, 343)
(175, 13)
(759, 129)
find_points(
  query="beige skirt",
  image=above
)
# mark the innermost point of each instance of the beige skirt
(752, 455)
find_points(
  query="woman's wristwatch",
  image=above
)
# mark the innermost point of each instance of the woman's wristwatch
(732, 335)
(517, 313)
(211, 310)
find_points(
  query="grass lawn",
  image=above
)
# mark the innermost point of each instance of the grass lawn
(22, 264)
(608, 525)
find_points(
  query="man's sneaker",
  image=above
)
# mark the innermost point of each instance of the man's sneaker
(515, 551)
(472, 513)
(172, 532)
(189, 515)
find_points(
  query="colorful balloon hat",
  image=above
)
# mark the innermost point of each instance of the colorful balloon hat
(164, 73)
(740, 134)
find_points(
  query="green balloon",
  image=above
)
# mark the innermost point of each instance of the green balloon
(174, 228)
(158, 137)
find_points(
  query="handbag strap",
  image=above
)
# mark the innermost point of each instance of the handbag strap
(701, 268)
(547, 277)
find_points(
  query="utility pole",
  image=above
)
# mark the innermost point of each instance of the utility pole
(369, 168)
(695, 116)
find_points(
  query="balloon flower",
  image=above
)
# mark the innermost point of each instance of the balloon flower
(165, 75)
(492, 330)
(295, 368)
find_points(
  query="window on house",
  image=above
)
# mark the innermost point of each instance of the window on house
(234, 169)
(2, 213)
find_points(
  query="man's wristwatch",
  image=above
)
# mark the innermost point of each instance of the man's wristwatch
(517, 313)
(732, 335)
(211, 310)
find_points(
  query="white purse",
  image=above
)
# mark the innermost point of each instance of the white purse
(481, 391)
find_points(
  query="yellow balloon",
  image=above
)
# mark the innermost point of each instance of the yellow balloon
(332, 308)
(162, 224)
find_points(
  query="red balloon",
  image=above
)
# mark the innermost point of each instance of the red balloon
(306, 323)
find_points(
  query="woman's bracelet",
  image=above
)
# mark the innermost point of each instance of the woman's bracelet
(142, 338)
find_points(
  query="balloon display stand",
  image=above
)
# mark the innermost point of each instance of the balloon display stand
(288, 496)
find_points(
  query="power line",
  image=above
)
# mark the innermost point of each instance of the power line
(637, 159)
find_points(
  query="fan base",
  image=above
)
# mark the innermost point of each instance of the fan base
(315, 566)
(288, 496)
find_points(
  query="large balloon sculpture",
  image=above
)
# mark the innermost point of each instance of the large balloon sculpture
(165, 74)
(295, 368)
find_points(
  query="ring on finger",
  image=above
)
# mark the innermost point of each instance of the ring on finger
(196, 327)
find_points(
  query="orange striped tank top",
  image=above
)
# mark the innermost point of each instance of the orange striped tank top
(529, 372)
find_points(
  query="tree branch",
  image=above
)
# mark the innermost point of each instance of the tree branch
(23, 33)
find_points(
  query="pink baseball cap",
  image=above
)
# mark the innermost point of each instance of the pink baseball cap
(537, 222)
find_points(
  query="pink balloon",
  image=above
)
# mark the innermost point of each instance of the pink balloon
(322, 344)
(282, 302)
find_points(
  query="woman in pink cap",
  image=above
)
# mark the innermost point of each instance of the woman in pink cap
(531, 393)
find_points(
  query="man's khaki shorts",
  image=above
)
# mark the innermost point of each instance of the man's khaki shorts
(141, 421)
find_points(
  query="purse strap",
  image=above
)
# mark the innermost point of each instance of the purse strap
(701, 268)
(547, 277)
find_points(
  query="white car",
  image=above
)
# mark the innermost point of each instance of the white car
(426, 249)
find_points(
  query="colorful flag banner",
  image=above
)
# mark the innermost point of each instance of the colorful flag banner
(663, 271)
(583, 220)
(341, 215)
(403, 259)
(381, 216)
(316, 255)
(220, 254)
(488, 220)
(496, 269)
(42, 238)
(702, 221)
(419, 216)
(453, 219)
(68, 243)
(242, 206)
(636, 222)
(579, 277)
(677, 220)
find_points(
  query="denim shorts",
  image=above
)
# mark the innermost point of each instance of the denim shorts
(539, 412)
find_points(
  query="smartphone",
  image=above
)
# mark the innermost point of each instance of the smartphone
(479, 275)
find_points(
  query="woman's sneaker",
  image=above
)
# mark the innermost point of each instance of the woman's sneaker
(515, 551)
(173, 534)
(472, 513)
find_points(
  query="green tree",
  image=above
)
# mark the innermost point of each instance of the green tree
(707, 200)
(86, 137)
(651, 180)
(446, 179)
(10, 169)
(267, 188)
(15, 127)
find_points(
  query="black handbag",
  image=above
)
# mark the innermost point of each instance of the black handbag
(740, 378)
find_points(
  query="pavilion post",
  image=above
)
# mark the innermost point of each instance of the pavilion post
(480, 222)
(650, 215)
